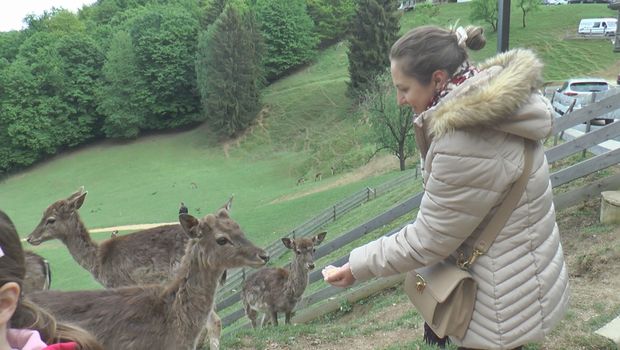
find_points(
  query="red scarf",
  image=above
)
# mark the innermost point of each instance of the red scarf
(464, 72)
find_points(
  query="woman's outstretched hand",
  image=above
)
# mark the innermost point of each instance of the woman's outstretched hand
(338, 276)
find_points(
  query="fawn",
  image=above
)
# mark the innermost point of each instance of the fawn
(273, 290)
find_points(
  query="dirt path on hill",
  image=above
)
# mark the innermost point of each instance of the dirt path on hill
(130, 227)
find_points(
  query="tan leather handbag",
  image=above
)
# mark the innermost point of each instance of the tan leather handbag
(445, 293)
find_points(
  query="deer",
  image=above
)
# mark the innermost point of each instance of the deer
(274, 290)
(142, 257)
(169, 315)
(147, 256)
(318, 177)
(301, 181)
(38, 274)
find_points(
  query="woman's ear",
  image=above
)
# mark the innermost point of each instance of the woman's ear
(440, 78)
(9, 297)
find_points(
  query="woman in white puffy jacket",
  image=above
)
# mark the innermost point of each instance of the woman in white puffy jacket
(471, 126)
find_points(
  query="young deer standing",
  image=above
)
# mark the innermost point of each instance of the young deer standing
(142, 257)
(273, 290)
(38, 274)
(169, 315)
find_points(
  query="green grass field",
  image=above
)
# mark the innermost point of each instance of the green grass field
(307, 126)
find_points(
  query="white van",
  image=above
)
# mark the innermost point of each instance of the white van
(598, 26)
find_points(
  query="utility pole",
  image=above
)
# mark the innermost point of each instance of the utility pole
(615, 5)
(503, 25)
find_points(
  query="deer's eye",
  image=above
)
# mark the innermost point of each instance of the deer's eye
(297, 252)
(313, 250)
(222, 240)
(50, 220)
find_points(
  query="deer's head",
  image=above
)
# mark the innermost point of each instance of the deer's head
(59, 219)
(304, 248)
(222, 243)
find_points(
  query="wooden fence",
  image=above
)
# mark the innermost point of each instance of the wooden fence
(327, 298)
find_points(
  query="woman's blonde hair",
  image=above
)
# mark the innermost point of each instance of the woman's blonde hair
(27, 314)
(425, 49)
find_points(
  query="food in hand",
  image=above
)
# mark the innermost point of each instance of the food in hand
(328, 271)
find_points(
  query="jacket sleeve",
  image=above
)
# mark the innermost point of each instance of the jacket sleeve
(460, 191)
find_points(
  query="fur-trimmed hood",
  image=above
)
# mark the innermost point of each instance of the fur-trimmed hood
(503, 96)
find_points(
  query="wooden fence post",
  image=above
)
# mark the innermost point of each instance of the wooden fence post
(588, 124)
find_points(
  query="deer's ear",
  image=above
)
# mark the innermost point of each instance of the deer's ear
(223, 213)
(288, 243)
(319, 238)
(228, 205)
(77, 201)
(189, 224)
(76, 193)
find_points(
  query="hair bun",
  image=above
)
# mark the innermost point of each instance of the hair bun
(475, 38)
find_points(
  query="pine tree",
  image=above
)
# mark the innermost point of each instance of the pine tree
(229, 71)
(375, 28)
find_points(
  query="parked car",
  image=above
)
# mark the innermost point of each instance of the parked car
(555, 2)
(585, 86)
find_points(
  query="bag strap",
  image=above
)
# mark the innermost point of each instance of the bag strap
(497, 223)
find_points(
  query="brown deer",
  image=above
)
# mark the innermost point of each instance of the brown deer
(38, 274)
(318, 177)
(142, 257)
(273, 290)
(148, 256)
(301, 181)
(169, 315)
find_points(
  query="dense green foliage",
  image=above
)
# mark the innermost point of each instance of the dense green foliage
(375, 28)
(331, 18)
(391, 125)
(289, 35)
(229, 71)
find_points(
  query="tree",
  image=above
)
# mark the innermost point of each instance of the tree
(289, 35)
(526, 7)
(331, 18)
(211, 11)
(391, 125)
(375, 28)
(164, 42)
(486, 11)
(229, 71)
(119, 93)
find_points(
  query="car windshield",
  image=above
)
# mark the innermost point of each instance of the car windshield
(590, 87)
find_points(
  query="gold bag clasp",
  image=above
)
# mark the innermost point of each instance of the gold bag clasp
(420, 283)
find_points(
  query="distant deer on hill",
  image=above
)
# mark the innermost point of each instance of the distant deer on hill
(301, 181)
(38, 273)
(142, 257)
(169, 315)
(318, 177)
(273, 290)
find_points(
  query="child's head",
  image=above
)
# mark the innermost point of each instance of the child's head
(12, 269)
(18, 312)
